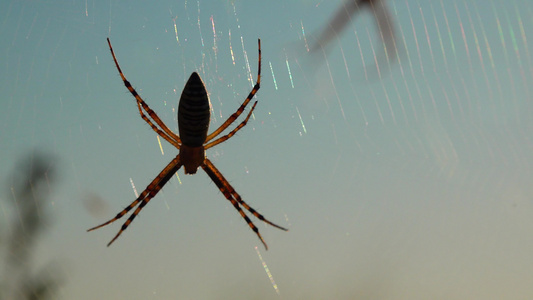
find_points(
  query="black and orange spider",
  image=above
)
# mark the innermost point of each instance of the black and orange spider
(193, 140)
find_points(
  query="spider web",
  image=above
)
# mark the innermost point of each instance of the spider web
(390, 168)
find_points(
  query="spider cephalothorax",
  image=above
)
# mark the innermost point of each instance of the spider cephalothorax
(193, 140)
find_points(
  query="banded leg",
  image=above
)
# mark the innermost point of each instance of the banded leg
(238, 197)
(235, 199)
(229, 135)
(153, 188)
(239, 111)
(165, 133)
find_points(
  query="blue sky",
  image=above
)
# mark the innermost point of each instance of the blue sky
(415, 185)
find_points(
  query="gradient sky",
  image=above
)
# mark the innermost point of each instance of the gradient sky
(415, 185)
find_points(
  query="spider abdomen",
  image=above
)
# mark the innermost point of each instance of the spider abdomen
(193, 112)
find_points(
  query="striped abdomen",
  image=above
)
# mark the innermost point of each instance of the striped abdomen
(193, 112)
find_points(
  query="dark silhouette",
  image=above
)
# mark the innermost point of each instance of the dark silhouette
(343, 17)
(29, 189)
(318, 43)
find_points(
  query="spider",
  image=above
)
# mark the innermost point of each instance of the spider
(193, 140)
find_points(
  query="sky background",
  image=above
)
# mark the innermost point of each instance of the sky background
(411, 182)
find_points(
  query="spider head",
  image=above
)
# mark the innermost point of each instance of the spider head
(192, 158)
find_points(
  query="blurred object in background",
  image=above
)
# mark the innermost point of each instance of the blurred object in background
(319, 43)
(29, 187)
(343, 17)
(95, 205)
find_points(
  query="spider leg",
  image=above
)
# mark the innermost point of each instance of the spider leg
(165, 133)
(235, 199)
(229, 135)
(173, 141)
(237, 196)
(153, 188)
(239, 111)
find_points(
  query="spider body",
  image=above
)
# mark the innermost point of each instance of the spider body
(193, 122)
(193, 112)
